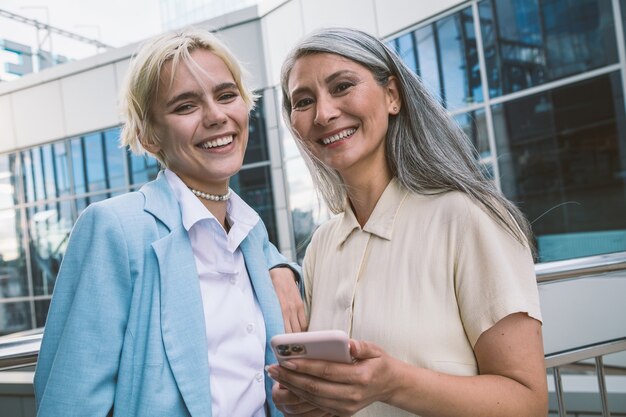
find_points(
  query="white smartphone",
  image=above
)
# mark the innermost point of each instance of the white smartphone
(329, 345)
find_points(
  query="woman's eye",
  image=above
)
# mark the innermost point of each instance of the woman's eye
(227, 96)
(302, 103)
(185, 108)
(341, 87)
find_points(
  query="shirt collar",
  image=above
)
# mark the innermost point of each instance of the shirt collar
(382, 218)
(241, 216)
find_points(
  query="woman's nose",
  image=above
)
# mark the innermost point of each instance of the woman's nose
(325, 111)
(213, 115)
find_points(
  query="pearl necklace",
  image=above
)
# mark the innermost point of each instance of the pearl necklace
(212, 197)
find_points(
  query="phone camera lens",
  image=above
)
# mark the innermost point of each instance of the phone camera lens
(283, 350)
(297, 348)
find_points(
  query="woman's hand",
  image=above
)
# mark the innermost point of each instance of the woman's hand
(291, 405)
(291, 304)
(336, 388)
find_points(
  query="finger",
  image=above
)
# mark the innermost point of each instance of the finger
(336, 372)
(304, 323)
(295, 321)
(290, 404)
(361, 350)
(306, 386)
(287, 321)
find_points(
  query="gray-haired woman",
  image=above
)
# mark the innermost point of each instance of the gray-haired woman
(428, 267)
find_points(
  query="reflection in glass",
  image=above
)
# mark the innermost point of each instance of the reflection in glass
(8, 189)
(445, 56)
(36, 159)
(49, 179)
(530, 42)
(27, 173)
(61, 168)
(14, 317)
(95, 162)
(41, 312)
(428, 60)
(474, 125)
(257, 142)
(406, 50)
(307, 211)
(115, 170)
(562, 155)
(459, 60)
(254, 186)
(13, 276)
(78, 166)
(142, 168)
(49, 228)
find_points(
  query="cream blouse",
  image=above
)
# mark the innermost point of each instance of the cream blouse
(423, 279)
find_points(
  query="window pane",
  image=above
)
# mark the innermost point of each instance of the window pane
(307, 212)
(78, 166)
(38, 174)
(41, 312)
(530, 42)
(142, 168)
(13, 276)
(27, 173)
(8, 187)
(459, 60)
(255, 187)
(474, 125)
(562, 155)
(61, 168)
(14, 317)
(49, 172)
(428, 61)
(406, 50)
(49, 228)
(94, 162)
(257, 142)
(114, 159)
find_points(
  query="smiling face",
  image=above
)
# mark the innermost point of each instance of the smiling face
(202, 122)
(341, 113)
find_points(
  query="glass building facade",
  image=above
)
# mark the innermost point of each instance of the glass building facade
(43, 190)
(538, 87)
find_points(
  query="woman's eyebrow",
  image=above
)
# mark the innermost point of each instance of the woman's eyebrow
(328, 80)
(332, 77)
(185, 95)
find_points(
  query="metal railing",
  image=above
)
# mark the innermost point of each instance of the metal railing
(21, 351)
(596, 352)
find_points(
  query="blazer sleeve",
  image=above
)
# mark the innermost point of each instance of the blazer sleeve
(78, 362)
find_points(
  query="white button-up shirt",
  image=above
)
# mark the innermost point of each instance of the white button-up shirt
(235, 327)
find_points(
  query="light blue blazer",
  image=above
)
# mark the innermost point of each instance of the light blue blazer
(125, 334)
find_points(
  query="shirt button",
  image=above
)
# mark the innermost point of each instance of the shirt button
(250, 328)
(259, 376)
(232, 280)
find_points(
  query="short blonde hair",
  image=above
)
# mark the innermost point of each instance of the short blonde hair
(142, 80)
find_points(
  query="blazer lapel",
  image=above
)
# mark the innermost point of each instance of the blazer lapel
(182, 313)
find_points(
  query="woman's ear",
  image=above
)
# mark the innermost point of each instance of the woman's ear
(148, 145)
(393, 95)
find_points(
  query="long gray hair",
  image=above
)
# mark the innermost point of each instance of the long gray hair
(425, 149)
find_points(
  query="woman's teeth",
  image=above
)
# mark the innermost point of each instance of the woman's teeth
(338, 136)
(217, 142)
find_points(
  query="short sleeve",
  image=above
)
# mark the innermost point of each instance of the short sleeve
(494, 274)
